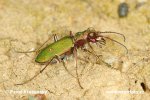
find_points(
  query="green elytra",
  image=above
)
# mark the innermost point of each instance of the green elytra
(57, 48)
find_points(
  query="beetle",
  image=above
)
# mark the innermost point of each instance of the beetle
(68, 45)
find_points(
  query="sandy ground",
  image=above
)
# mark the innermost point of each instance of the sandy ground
(26, 24)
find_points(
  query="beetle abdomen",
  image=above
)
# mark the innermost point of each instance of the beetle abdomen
(56, 48)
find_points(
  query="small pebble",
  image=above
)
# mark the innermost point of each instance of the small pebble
(123, 10)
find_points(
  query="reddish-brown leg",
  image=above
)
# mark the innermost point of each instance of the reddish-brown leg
(35, 74)
(75, 55)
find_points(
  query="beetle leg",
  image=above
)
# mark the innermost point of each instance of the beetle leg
(83, 59)
(67, 69)
(91, 49)
(39, 71)
(55, 38)
(97, 56)
(57, 57)
(43, 45)
(35, 74)
(37, 50)
(100, 43)
(116, 42)
(60, 60)
(75, 54)
(86, 50)
(72, 37)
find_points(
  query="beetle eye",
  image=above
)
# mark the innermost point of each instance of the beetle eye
(91, 29)
(91, 34)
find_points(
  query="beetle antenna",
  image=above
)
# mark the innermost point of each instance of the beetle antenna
(116, 42)
(115, 33)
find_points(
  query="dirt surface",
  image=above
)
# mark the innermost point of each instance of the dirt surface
(26, 24)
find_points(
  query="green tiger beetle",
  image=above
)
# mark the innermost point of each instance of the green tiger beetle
(68, 45)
